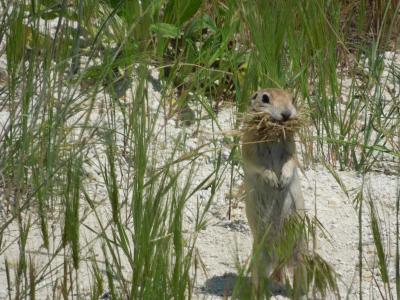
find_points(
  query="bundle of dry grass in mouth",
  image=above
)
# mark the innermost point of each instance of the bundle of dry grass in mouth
(268, 129)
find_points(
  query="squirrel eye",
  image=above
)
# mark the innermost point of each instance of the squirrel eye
(265, 98)
(254, 96)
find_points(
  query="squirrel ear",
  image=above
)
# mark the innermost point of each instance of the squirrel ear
(254, 96)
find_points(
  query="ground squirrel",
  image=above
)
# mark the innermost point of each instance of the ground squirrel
(273, 191)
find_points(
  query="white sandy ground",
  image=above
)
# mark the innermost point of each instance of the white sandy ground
(223, 239)
(337, 214)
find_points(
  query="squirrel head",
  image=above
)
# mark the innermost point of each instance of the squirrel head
(277, 103)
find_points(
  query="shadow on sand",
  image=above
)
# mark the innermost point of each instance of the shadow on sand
(223, 286)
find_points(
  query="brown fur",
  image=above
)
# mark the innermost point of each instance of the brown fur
(273, 191)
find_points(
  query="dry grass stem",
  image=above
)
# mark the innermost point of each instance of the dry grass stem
(268, 129)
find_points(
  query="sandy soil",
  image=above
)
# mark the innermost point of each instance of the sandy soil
(225, 240)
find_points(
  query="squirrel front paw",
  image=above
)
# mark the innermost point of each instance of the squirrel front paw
(286, 175)
(270, 177)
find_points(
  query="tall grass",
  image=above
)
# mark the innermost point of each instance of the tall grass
(82, 162)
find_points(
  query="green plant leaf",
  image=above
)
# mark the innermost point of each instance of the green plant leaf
(201, 22)
(165, 30)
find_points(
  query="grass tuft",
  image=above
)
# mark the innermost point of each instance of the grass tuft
(267, 129)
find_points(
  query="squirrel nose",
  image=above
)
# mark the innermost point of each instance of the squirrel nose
(286, 115)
